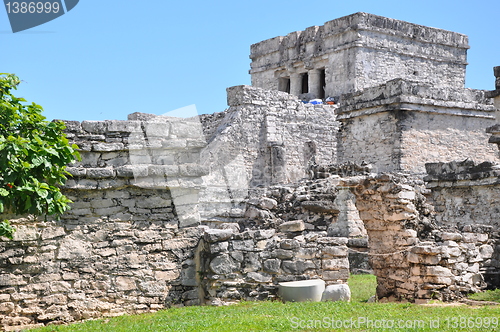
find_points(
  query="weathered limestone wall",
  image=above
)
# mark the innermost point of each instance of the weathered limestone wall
(126, 244)
(265, 137)
(80, 269)
(466, 197)
(412, 258)
(249, 265)
(402, 125)
(360, 51)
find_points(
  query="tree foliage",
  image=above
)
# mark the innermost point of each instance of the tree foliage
(33, 158)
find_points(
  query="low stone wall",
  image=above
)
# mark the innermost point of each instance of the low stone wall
(126, 245)
(71, 270)
(466, 196)
(249, 265)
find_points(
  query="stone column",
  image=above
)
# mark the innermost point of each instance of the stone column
(315, 83)
(495, 130)
(295, 84)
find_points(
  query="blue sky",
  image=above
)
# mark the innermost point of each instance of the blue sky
(106, 59)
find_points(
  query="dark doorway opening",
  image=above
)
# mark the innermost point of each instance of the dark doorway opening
(322, 82)
(305, 83)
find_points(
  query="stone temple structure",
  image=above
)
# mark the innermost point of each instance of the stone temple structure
(398, 177)
(356, 52)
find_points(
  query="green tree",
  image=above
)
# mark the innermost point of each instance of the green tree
(33, 158)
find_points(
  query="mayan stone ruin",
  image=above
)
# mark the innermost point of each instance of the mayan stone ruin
(356, 149)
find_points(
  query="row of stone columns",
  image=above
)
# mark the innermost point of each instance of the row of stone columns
(314, 83)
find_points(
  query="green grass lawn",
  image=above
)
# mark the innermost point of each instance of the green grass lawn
(490, 295)
(321, 316)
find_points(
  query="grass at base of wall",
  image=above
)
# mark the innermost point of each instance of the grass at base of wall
(489, 295)
(305, 316)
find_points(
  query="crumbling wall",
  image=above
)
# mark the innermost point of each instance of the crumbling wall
(411, 256)
(127, 245)
(249, 265)
(466, 197)
(264, 138)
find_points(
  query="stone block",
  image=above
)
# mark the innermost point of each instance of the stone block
(475, 237)
(219, 247)
(10, 279)
(217, 235)
(438, 271)
(157, 129)
(334, 251)
(267, 203)
(399, 216)
(451, 236)
(53, 232)
(297, 267)
(292, 226)
(59, 287)
(333, 241)
(124, 126)
(289, 244)
(413, 258)
(272, 266)
(94, 127)
(77, 171)
(283, 254)
(264, 234)
(125, 284)
(74, 249)
(223, 264)
(7, 307)
(25, 233)
(306, 253)
(320, 207)
(335, 275)
(426, 250)
(335, 264)
(179, 243)
(438, 280)
(193, 170)
(167, 275)
(243, 245)
(259, 277)
(486, 251)
(153, 202)
(163, 170)
(100, 173)
(107, 147)
(188, 276)
(183, 129)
